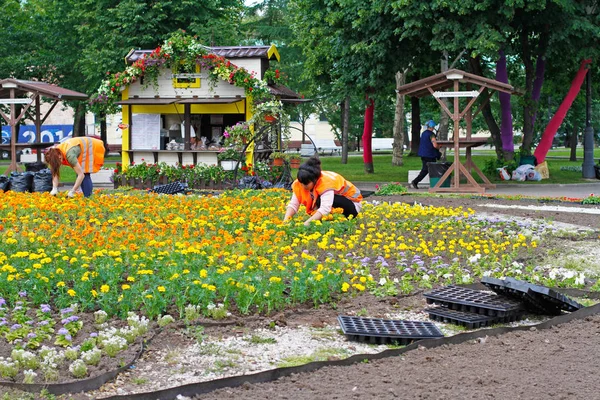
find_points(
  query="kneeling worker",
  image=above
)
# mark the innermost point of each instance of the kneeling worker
(320, 191)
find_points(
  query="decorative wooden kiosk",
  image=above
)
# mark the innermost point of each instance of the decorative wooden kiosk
(436, 86)
(19, 95)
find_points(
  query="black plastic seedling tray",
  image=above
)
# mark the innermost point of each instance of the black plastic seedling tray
(539, 299)
(467, 319)
(474, 301)
(382, 331)
(170, 188)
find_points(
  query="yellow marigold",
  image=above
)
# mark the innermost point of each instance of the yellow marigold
(345, 287)
(125, 287)
(161, 289)
(60, 284)
(71, 292)
(274, 279)
(104, 288)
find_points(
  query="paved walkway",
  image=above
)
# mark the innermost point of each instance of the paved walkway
(577, 190)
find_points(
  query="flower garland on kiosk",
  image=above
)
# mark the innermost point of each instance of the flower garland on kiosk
(182, 51)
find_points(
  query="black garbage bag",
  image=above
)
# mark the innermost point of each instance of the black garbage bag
(4, 183)
(42, 181)
(249, 182)
(35, 166)
(21, 182)
(437, 170)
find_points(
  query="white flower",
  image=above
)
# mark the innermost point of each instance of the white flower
(475, 258)
(426, 277)
(447, 276)
(466, 278)
(568, 274)
(487, 273)
(552, 273)
(382, 281)
(580, 280)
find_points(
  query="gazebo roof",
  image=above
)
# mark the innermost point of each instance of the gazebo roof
(446, 80)
(22, 87)
(229, 52)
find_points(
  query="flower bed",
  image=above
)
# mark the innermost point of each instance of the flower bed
(180, 255)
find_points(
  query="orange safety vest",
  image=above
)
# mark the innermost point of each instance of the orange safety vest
(91, 158)
(328, 181)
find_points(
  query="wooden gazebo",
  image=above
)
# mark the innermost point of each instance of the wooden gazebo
(14, 93)
(475, 86)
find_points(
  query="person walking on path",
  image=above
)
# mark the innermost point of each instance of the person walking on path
(428, 151)
(320, 191)
(84, 154)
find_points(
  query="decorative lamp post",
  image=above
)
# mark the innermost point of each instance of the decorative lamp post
(588, 138)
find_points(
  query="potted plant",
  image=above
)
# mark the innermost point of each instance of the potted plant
(228, 159)
(237, 135)
(295, 160)
(278, 158)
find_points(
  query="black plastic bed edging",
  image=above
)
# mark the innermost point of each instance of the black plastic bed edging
(193, 389)
(84, 385)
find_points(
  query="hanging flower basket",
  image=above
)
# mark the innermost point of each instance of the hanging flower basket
(294, 163)
(270, 119)
(278, 162)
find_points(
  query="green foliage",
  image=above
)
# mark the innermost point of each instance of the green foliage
(391, 189)
(591, 199)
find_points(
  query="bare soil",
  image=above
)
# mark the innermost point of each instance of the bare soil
(557, 363)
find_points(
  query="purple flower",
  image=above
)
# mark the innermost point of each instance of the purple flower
(93, 334)
(18, 308)
(42, 323)
(23, 294)
(66, 310)
(68, 337)
(29, 322)
(19, 303)
(73, 318)
(2, 301)
(31, 335)
(45, 308)
(63, 331)
(408, 270)
(15, 327)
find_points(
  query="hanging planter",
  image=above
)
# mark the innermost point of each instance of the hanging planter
(270, 119)
(294, 163)
(228, 165)
(278, 162)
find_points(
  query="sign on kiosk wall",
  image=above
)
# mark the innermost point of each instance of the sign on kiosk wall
(145, 131)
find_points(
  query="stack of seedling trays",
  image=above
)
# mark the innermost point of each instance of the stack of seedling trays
(472, 308)
(170, 188)
(384, 331)
(512, 299)
(537, 299)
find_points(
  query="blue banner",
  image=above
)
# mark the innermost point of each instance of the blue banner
(27, 133)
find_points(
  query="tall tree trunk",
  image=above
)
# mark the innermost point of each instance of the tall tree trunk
(475, 65)
(529, 106)
(506, 125)
(398, 144)
(415, 129)
(79, 120)
(345, 123)
(573, 143)
(367, 135)
(540, 68)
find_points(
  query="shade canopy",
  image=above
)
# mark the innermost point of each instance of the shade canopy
(445, 80)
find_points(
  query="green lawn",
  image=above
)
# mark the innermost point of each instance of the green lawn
(354, 171)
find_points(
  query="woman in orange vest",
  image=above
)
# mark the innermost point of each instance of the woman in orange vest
(320, 191)
(84, 154)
